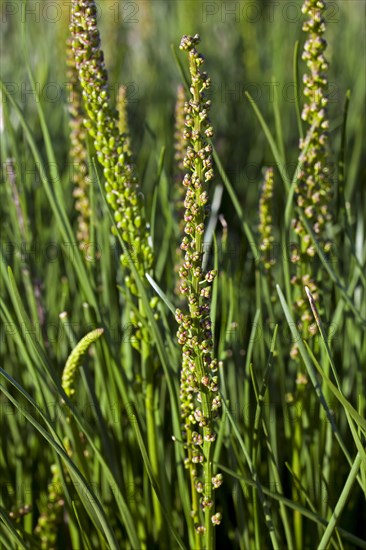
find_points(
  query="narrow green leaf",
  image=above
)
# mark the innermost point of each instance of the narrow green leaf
(276, 153)
(339, 507)
(160, 293)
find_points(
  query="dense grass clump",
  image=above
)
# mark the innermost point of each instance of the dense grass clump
(182, 276)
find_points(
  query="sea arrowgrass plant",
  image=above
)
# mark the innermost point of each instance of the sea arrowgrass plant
(200, 400)
(313, 191)
(313, 196)
(122, 191)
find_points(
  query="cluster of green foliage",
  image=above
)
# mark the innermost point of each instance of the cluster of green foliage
(111, 339)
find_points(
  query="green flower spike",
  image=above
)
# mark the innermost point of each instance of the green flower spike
(122, 190)
(314, 190)
(200, 400)
(75, 358)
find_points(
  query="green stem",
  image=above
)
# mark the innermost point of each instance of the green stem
(151, 445)
(195, 503)
(209, 532)
(296, 467)
(148, 372)
(200, 370)
(208, 463)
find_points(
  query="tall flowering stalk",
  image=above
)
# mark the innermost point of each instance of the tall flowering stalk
(313, 195)
(122, 189)
(200, 401)
(314, 189)
(122, 193)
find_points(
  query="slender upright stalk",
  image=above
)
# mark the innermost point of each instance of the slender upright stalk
(199, 384)
(147, 369)
(312, 195)
(314, 187)
(111, 140)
